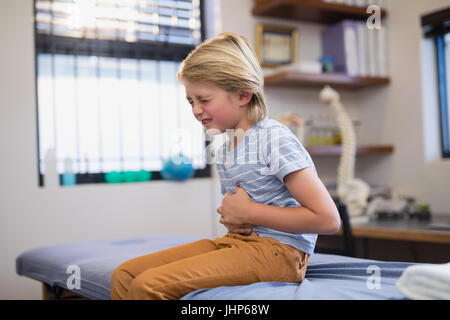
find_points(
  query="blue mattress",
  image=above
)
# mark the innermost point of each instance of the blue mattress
(328, 277)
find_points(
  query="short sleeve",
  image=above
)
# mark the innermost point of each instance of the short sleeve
(284, 154)
(222, 188)
(220, 172)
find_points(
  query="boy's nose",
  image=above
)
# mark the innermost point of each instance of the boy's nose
(197, 111)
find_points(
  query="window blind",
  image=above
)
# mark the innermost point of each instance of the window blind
(107, 93)
(172, 21)
(436, 25)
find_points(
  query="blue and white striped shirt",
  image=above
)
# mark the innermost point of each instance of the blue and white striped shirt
(259, 164)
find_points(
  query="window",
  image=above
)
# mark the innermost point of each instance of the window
(437, 26)
(107, 94)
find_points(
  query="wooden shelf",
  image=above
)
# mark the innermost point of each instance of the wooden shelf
(337, 80)
(360, 150)
(310, 10)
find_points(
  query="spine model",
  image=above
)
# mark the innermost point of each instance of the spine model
(352, 192)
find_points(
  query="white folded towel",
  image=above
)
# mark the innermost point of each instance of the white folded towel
(425, 282)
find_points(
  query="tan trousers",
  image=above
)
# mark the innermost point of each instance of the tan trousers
(226, 261)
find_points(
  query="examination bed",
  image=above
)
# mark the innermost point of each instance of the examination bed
(328, 276)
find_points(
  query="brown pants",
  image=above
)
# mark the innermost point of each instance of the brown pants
(227, 261)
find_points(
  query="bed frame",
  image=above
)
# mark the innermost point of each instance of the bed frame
(58, 293)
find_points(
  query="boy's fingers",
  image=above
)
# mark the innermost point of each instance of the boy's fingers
(237, 229)
(234, 226)
(241, 230)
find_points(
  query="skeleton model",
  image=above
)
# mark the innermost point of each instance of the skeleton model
(352, 192)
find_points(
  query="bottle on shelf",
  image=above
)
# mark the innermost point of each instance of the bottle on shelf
(323, 131)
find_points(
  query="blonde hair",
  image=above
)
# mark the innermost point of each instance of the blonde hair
(227, 61)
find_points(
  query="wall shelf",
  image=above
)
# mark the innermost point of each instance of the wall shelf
(337, 80)
(326, 151)
(310, 10)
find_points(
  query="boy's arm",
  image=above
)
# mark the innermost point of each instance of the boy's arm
(318, 213)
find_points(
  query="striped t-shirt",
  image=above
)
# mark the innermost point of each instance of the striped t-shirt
(258, 164)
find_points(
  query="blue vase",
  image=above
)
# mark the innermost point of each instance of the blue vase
(177, 168)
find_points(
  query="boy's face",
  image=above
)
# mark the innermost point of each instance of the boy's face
(216, 109)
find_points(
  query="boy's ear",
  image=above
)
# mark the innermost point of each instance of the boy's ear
(245, 97)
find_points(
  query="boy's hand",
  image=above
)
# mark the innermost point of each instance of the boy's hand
(242, 229)
(234, 209)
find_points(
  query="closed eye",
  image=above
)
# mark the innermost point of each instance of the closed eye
(200, 100)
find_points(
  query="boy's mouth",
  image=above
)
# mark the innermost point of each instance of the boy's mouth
(206, 122)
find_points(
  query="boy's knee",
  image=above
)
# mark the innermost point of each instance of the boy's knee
(120, 282)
